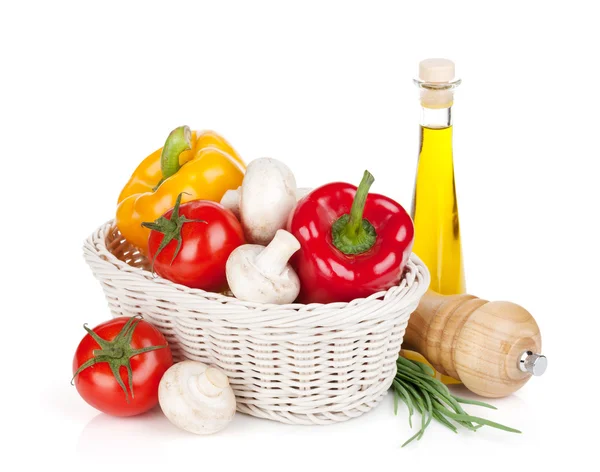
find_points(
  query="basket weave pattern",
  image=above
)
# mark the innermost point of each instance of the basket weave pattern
(302, 364)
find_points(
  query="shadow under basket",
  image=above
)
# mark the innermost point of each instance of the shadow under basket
(300, 364)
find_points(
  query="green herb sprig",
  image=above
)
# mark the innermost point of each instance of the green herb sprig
(415, 385)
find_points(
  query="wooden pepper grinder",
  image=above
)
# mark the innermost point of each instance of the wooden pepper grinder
(491, 347)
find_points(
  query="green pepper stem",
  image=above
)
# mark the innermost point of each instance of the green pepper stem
(355, 226)
(351, 233)
(178, 141)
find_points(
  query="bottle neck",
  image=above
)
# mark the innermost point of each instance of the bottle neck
(436, 117)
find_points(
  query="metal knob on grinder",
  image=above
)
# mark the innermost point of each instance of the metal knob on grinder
(533, 363)
(491, 347)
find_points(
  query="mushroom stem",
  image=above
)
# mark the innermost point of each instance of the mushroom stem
(274, 257)
(212, 382)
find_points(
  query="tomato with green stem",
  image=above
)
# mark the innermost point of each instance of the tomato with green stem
(118, 365)
(190, 244)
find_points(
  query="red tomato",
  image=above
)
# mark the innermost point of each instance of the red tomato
(207, 233)
(110, 348)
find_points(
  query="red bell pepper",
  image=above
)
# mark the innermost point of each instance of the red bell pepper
(352, 244)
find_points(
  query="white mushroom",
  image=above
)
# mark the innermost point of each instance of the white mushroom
(231, 199)
(262, 274)
(196, 397)
(302, 192)
(265, 199)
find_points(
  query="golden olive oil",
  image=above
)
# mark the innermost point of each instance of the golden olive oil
(435, 212)
(434, 206)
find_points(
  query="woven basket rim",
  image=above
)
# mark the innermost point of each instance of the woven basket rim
(97, 247)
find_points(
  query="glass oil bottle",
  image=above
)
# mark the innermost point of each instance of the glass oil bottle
(434, 206)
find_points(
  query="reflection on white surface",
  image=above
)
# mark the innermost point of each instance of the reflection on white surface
(150, 442)
(105, 432)
(151, 439)
(153, 433)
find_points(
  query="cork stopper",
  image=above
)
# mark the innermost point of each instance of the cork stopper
(436, 70)
(437, 82)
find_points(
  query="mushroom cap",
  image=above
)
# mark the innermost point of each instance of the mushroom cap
(231, 201)
(267, 198)
(249, 283)
(196, 398)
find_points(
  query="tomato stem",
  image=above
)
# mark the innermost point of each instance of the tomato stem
(170, 228)
(117, 353)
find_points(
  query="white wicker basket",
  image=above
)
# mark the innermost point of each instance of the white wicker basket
(303, 364)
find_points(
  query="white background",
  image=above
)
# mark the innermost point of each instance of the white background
(90, 88)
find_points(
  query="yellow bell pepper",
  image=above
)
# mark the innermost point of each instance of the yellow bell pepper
(202, 165)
